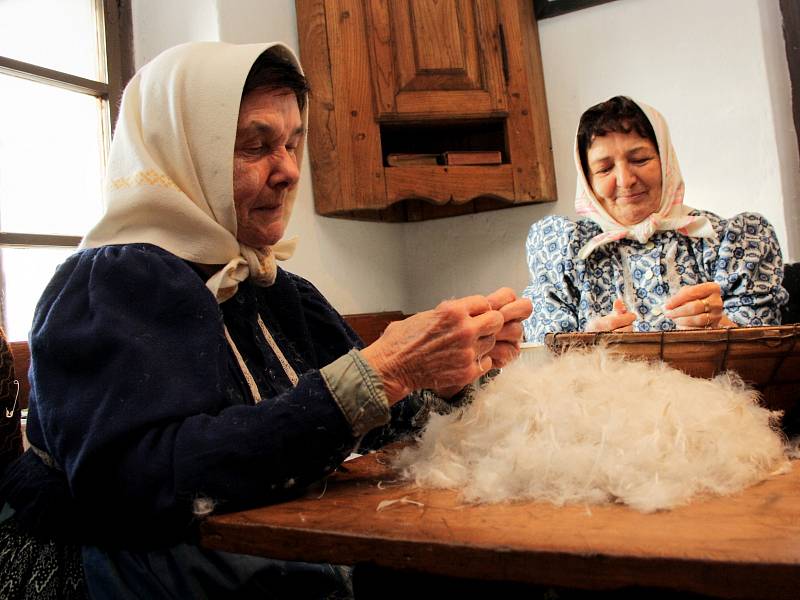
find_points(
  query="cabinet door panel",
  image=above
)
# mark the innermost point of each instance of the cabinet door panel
(431, 57)
(436, 45)
(357, 146)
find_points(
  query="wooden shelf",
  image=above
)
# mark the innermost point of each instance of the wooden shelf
(473, 83)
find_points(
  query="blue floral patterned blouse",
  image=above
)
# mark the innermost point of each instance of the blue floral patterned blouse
(568, 292)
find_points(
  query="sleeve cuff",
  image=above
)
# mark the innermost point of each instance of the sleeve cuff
(358, 391)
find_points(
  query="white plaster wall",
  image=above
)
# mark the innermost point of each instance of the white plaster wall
(715, 68)
(703, 64)
(359, 266)
(159, 25)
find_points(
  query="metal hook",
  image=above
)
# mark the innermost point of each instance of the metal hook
(10, 413)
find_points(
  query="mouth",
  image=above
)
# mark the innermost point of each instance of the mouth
(272, 204)
(269, 208)
(635, 197)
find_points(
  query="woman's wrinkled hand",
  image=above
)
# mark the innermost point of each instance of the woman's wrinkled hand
(698, 307)
(442, 349)
(619, 319)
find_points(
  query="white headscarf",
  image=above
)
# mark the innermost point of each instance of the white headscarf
(671, 213)
(169, 180)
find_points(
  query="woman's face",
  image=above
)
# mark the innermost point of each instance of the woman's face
(265, 166)
(625, 175)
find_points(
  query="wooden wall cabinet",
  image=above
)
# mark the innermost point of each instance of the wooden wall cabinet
(424, 77)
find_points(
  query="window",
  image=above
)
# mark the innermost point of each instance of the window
(63, 64)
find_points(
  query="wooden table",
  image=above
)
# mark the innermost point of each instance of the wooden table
(743, 546)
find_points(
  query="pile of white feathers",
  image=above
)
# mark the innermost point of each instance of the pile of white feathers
(593, 428)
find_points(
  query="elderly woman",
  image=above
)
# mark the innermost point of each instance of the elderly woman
(639, 259)
(177, 371)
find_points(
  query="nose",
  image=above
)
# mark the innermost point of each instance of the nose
(626, 178)
(285, 170)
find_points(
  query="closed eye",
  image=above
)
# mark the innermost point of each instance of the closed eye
(256, 149)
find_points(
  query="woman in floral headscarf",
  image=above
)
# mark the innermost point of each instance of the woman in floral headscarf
(639, 259)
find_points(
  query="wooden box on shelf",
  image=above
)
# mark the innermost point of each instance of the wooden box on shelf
(414, 77)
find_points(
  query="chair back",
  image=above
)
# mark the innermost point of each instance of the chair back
(791, 281)
(370, 326)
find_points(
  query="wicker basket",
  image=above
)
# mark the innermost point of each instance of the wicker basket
(768, 358)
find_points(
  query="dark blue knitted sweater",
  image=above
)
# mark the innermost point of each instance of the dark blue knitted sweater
(139, 400)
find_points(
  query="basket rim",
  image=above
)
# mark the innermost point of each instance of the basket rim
(769, 334)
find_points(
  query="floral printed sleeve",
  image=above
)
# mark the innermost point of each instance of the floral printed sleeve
(551, 290)
(749, 269)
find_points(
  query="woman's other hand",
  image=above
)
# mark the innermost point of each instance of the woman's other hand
(619, 319)
(698, 307)
(443, 349)
(508, 339)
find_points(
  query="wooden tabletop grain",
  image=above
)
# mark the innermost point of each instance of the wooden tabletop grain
(742, 546)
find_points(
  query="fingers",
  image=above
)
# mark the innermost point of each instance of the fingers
(489, 323)
(503, 353)
(517, 310)
(620, 321)
(500, 329)
(619, 306)
(506, 342)
(501, 297)
(484, 323)
(473, 305)
(693, 292)
(485, 344)
(503, 300)
(685, 310)
(696, 307)
(611, 322)
(700, 321)
(509, 338)
(510, 332)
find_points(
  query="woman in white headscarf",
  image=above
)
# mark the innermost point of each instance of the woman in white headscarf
(176, 370)
(639, 259)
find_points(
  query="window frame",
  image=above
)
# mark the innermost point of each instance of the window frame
(115, 43)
